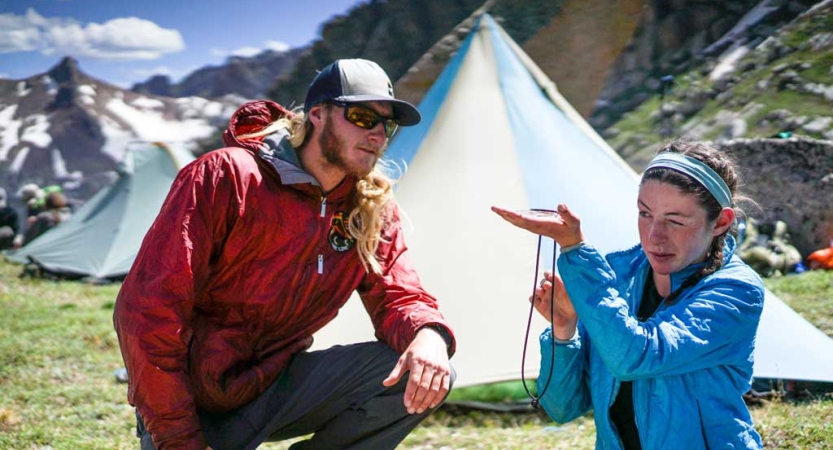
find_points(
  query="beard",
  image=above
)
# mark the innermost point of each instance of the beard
(335, 151)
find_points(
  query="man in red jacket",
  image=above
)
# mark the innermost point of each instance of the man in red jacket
(256, 248)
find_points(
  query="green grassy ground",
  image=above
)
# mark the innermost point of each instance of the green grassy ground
(58, 352)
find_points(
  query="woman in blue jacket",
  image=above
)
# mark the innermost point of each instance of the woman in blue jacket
(658, 339)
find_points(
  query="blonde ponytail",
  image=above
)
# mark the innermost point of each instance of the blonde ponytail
(366, 220)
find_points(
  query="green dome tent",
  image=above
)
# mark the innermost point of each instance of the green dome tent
(101, 239)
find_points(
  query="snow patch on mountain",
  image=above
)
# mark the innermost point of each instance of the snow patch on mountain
(86, 89)
(152, 126)
(116, 139)
(8, 130)
(148, 103)
(201, 107)
(50, 84)
(19, 159)
(22, 90)
(37, 133)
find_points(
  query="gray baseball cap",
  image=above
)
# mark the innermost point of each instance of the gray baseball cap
(358, 81)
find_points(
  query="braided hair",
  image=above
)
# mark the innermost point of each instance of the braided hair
(725, 168)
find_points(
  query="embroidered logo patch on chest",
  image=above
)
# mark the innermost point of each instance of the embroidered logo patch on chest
(339, 237)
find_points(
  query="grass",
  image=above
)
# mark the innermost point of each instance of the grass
(58, 353)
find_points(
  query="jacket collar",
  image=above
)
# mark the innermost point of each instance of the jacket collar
(279, 153)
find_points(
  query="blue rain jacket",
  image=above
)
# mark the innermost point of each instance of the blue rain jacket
(690, 363)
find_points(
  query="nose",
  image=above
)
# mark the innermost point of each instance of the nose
(377, 133)
(657, 232)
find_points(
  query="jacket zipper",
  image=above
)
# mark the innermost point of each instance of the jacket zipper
(321, 255)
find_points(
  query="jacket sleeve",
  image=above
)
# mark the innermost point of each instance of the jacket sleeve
(156, 302)
(395, 300)
(564, 388)
(713, 323)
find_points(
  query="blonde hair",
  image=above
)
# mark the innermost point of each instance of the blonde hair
(374, 192)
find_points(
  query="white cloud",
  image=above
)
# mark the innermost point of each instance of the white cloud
(124, 38)
(277, 46)
(18, 34)
(246, 52)
(249, 51)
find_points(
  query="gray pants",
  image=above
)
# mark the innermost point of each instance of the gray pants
(336, 393)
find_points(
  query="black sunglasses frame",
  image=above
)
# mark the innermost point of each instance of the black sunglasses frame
(389, 124)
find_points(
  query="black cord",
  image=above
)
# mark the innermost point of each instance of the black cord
(535, 400)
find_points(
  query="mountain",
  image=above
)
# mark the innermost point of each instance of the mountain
(64, 127)
(767, 101)
(396, 33)
(249, 77)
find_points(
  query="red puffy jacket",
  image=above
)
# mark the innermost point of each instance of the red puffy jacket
(234, 277)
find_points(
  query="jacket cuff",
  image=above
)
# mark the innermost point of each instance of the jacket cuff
(572, 339)
(443, 332)
(571, 247)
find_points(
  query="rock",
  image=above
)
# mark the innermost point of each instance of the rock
(762, 84)
(818, 125)
(736, 129)
(786, 178)
(821, 41)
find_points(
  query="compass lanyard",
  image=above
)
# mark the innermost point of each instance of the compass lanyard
(535, 400)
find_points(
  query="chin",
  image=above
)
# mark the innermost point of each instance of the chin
(361, 170)
(664, 268)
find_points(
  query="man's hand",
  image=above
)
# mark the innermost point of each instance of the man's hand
(430, 378)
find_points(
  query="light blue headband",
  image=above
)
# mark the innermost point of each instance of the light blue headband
(704, 174)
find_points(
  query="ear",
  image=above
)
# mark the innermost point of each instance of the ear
(316, 115)
(724, 221)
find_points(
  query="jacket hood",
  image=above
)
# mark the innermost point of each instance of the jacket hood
(252, 117)
(274, 148)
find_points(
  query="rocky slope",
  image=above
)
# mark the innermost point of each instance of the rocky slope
(676, 36)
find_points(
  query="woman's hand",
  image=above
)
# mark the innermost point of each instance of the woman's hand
(564, 227)
(562, 314)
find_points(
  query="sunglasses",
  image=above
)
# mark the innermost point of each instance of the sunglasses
(364, 117)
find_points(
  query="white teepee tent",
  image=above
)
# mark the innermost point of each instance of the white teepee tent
(495, 131)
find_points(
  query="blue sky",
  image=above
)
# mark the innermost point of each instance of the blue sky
(126, 41)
